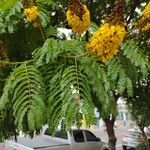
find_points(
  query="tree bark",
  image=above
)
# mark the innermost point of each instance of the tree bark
(111, 134)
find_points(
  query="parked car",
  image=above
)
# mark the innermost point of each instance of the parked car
(81, 136)
(75, 139)
(132, 138)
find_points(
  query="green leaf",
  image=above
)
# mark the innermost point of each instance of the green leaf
(7, 4)
(132, 51)
(123, 74)
(45, 1)
(97, 76)
(53, 49)
(65, 103)
(93, 27)
(26, 97)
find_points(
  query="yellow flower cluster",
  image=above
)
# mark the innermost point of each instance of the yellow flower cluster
(144, 23)
(146, 27)
(146, 12)
(106, 41)
(146, 15)
(78, 25)
(31, 13)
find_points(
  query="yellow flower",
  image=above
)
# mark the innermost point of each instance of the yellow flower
(106, 41)
(144, 22)
(31, 13)
(146, 27)
(146, 11)
(79, 25)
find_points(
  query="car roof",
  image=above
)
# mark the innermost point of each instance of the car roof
(134, 130)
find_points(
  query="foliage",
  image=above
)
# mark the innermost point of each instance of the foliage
(136, 57)
(141, 146)
(53, 48)
(69, 97)
(10, 18)
(7, 4)
(54, 80)
(7, 126)
(139, 103)
(26, 98)
(101, 90)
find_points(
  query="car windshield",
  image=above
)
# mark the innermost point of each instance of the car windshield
(90, 136)
(58, 134)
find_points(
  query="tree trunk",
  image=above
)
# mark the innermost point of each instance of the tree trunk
(111, 134)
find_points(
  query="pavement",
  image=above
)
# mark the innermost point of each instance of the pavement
(119, 132)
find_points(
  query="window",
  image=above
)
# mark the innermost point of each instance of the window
(78, 136)
(58, 134)
(90, 136)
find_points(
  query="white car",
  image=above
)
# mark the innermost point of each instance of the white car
(132, 138)
(75, 139)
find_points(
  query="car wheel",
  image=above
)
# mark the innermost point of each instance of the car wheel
(124, 147)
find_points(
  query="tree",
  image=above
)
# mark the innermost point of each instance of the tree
(139, 105)
(65, 79)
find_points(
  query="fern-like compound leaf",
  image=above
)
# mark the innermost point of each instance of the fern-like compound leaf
(132, 51)
(27, 97)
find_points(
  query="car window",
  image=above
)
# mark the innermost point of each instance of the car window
(133, 134)
(58, 134)
(78, 136)
(90, 136)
